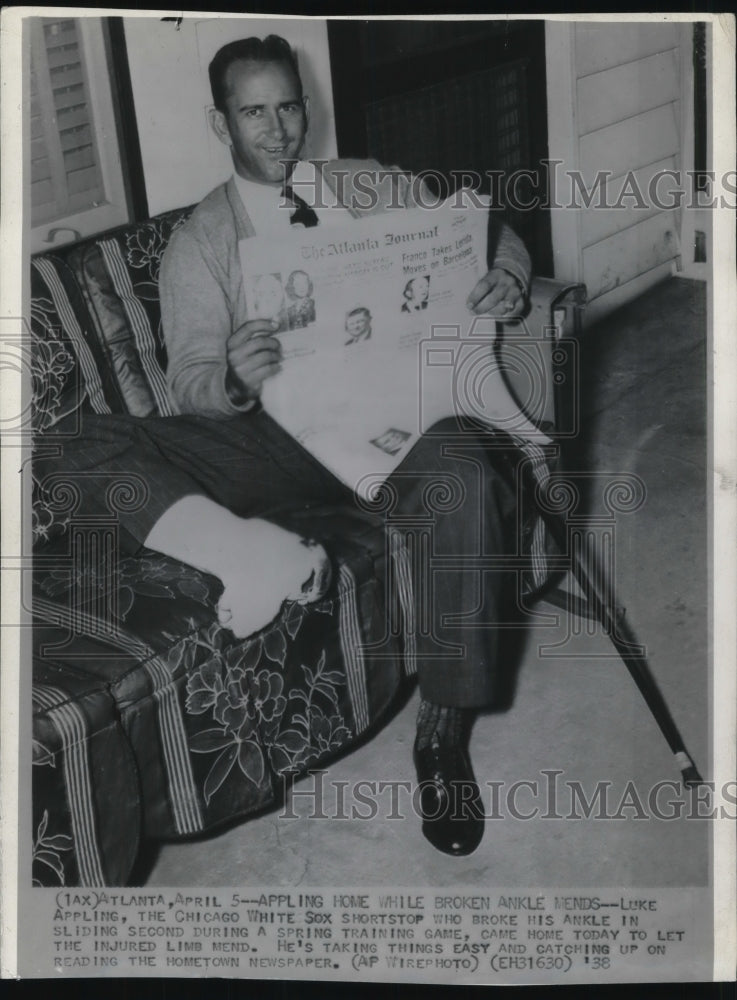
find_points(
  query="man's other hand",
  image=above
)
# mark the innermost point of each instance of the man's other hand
(253, 355)
(499, 294)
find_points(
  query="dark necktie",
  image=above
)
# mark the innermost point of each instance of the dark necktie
(303, 213)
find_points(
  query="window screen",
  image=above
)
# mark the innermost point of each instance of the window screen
(475, 122)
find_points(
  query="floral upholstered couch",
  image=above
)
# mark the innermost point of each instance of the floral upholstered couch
(150, 719)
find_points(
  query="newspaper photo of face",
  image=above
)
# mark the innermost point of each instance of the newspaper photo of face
(301, 305)
(268, 296)
(358, 325)
(416, 294)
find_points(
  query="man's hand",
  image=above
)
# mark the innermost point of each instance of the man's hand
(498, 293)
(253, 354)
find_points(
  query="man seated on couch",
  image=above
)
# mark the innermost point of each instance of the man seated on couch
(229, 490)
(219, 358)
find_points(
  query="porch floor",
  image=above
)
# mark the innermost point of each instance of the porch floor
(575, 709)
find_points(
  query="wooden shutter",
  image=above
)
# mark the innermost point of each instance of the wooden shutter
(65, 164)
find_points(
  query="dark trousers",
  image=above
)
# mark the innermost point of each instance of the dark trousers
(448, 505)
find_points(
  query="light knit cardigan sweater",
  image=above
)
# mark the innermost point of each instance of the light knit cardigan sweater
(201, 283)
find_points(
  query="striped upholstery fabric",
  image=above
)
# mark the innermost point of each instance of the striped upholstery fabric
(86, 815)
(96, 323)
(215, 724)
(69, 368)
(202, 727)
(96, 335)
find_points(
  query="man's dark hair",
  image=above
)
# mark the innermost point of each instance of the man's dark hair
(272, 49)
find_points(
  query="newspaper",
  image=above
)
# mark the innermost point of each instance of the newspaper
(378, 342)
(597, 865)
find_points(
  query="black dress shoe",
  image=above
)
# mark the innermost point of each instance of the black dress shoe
(450, 801)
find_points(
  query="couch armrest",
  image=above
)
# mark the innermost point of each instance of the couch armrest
(557, 305)
(544, 380)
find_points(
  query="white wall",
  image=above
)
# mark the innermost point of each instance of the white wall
(615, 104)
(182, 159)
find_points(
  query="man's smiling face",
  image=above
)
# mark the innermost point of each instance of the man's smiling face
(266, 119)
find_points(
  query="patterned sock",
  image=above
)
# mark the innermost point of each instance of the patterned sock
(441, 724)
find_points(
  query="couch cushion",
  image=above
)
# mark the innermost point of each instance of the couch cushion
(119, 276)
(69, 368)
(86, 799)
(100, 298)
(218, 723)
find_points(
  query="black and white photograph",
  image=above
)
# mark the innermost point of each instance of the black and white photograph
(268, 300)
(358, 325)
(416, 294)
(465, 719)
(301, 305)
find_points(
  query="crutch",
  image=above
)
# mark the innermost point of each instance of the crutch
(623, 640)
(600, 601)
